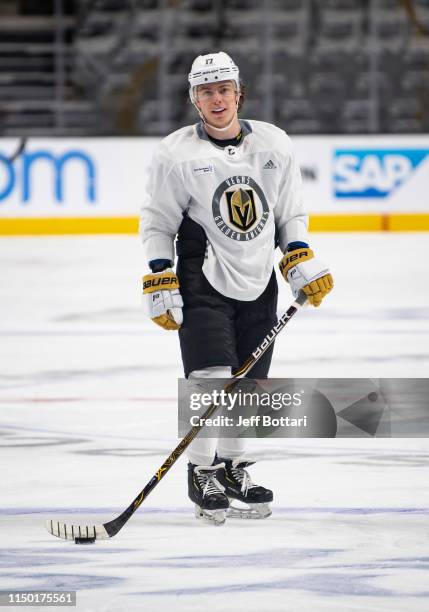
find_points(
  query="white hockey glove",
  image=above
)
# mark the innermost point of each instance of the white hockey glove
(163, 299)
(303, 271)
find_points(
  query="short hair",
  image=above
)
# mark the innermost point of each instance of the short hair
(242, 96)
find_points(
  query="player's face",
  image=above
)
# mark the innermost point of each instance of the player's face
(217, 102)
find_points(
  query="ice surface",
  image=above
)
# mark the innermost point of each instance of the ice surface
(88, 413)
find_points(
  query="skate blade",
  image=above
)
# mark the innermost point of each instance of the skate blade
(212, 517)
(252, 511)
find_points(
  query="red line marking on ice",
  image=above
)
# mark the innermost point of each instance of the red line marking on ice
(52, 400)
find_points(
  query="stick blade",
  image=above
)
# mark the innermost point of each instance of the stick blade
(80, 534)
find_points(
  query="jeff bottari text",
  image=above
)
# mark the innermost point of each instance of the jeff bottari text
(265, 420)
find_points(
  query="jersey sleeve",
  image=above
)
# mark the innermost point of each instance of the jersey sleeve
(163, 205)
(289, 213)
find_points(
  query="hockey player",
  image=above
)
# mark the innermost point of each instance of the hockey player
(230, 191)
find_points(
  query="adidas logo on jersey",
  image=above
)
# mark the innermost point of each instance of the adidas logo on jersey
(270, 165)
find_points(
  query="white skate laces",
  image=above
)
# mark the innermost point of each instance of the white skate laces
(247, 500)
(210, 501)
(206, 476)
(224, 483)
(242, 476)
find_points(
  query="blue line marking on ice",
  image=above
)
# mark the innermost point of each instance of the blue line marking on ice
(185, 510)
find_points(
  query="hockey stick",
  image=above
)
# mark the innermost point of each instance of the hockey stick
(87, 534)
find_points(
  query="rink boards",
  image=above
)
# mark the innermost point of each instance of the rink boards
(96, 185)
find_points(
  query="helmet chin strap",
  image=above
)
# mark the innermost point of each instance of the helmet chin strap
(224, 129)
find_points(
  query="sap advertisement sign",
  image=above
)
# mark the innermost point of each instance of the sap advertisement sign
(74, 177)
(374, 173)
(365, 174)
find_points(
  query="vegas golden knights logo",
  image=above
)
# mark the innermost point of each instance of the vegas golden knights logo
(241, 208)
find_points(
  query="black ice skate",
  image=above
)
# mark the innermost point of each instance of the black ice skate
(238, 486)
(208, 495)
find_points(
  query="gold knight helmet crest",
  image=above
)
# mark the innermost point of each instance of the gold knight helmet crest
(241, 208)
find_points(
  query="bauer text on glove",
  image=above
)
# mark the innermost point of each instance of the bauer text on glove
(163, 299)
(304, 271)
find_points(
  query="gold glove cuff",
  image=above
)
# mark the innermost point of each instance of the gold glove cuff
(165, 281)
(293, 258)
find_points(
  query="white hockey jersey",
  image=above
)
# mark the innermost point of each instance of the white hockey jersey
(239, 195)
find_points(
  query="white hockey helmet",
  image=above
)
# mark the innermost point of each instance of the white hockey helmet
(211, 68)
